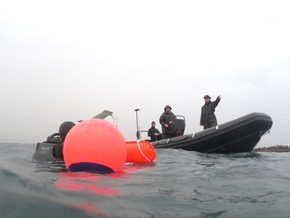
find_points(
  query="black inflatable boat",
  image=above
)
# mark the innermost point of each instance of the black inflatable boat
(50, 151)
(237, 136)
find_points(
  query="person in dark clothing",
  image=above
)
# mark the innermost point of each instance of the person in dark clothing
(64, 128)
(166, 119)
(208, 118)
(154, 133)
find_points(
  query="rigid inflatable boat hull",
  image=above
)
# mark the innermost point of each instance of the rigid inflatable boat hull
(44, 153)
(237, 136)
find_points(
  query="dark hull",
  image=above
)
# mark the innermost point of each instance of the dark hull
(237, 136)
(44, 153)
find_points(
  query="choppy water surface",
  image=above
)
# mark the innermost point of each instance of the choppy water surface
(178, 184)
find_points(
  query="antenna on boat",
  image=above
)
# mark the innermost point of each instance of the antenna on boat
(138, 135)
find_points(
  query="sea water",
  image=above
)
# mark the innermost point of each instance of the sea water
(178, 184)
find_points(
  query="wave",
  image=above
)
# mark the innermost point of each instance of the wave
(179, 184)
(23, 197)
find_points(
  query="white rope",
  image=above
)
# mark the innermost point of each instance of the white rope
(141, 151)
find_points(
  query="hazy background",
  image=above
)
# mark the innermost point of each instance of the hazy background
(69, 60)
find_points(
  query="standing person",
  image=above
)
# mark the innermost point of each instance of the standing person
(154, 133)
(166, 119)
(208, 118)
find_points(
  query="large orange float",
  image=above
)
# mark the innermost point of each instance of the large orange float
(94, 145)
(140, 151)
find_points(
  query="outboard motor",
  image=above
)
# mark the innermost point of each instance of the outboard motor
(178, 125)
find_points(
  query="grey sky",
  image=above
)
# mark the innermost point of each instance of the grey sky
(69, 60)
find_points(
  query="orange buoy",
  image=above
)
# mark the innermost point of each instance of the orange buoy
(140, 151)
(94, 145)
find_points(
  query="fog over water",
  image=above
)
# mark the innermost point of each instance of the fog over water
(69, 60)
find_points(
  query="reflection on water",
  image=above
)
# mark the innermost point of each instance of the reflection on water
(97, 184)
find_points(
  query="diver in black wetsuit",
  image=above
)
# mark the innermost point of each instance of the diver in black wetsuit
(59, 138)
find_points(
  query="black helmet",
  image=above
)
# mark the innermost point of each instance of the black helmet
(64, 128)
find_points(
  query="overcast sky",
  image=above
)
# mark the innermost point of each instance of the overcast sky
(69, 60)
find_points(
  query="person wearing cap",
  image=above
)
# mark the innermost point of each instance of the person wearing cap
(154, 133)
(208, 118)
(166, 119)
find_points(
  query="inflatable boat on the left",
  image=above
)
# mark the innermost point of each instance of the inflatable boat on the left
(67, 147)
(51, 150)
